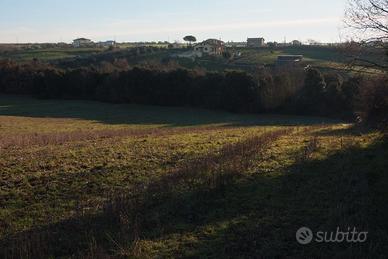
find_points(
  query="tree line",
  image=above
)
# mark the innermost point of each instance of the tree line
(297, 91)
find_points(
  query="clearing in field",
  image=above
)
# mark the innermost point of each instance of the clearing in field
(92, 179)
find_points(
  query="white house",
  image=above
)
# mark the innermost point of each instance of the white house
(211, 47)
(82, 42)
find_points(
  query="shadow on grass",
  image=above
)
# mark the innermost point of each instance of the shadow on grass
(348, 189)
(352, 130)
(142, 115)
(260, 216)
(251, 217)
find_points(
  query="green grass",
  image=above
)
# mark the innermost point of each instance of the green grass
(322, 56)
(57, 54)
(326, 58)
(317, 56)
(212, 190)
(49, 54)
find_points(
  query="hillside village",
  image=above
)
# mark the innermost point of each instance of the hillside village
(214, 47)
(216, 44)
(195, 50)
(235, 52)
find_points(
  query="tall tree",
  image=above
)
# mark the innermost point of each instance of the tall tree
(190, 39)
(312, 98)
(368, 24)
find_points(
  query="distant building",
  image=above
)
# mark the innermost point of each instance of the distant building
(82, 42)
(272, 44)
(289, 59)
(296, 43)
(211, 47)
(108, 43)
(255, 42)
(62, 45)
(175, 45)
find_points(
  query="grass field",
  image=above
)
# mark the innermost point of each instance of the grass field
(325, 58)
(318, 56)
(49, 54)
(95, 180)
(310, 53)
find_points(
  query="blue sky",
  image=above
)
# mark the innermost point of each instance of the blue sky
(153, 20)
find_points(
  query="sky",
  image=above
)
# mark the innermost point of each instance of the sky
(23, 21)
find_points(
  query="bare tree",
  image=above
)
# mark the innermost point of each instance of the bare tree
(367, 23)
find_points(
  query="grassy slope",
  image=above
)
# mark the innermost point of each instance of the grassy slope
(84, 56)
(318, 56)
(49, 54)
(29, 165)
(326, 58)
(318, 175)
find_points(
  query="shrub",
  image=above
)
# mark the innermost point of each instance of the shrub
(312, 96)
(292, 90)
(374, 96)
(350, 96)
(241, 92)
(333, 93)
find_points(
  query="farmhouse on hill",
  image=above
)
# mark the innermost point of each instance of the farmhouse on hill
(255, 42)
(82, 42)
(211, 47)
